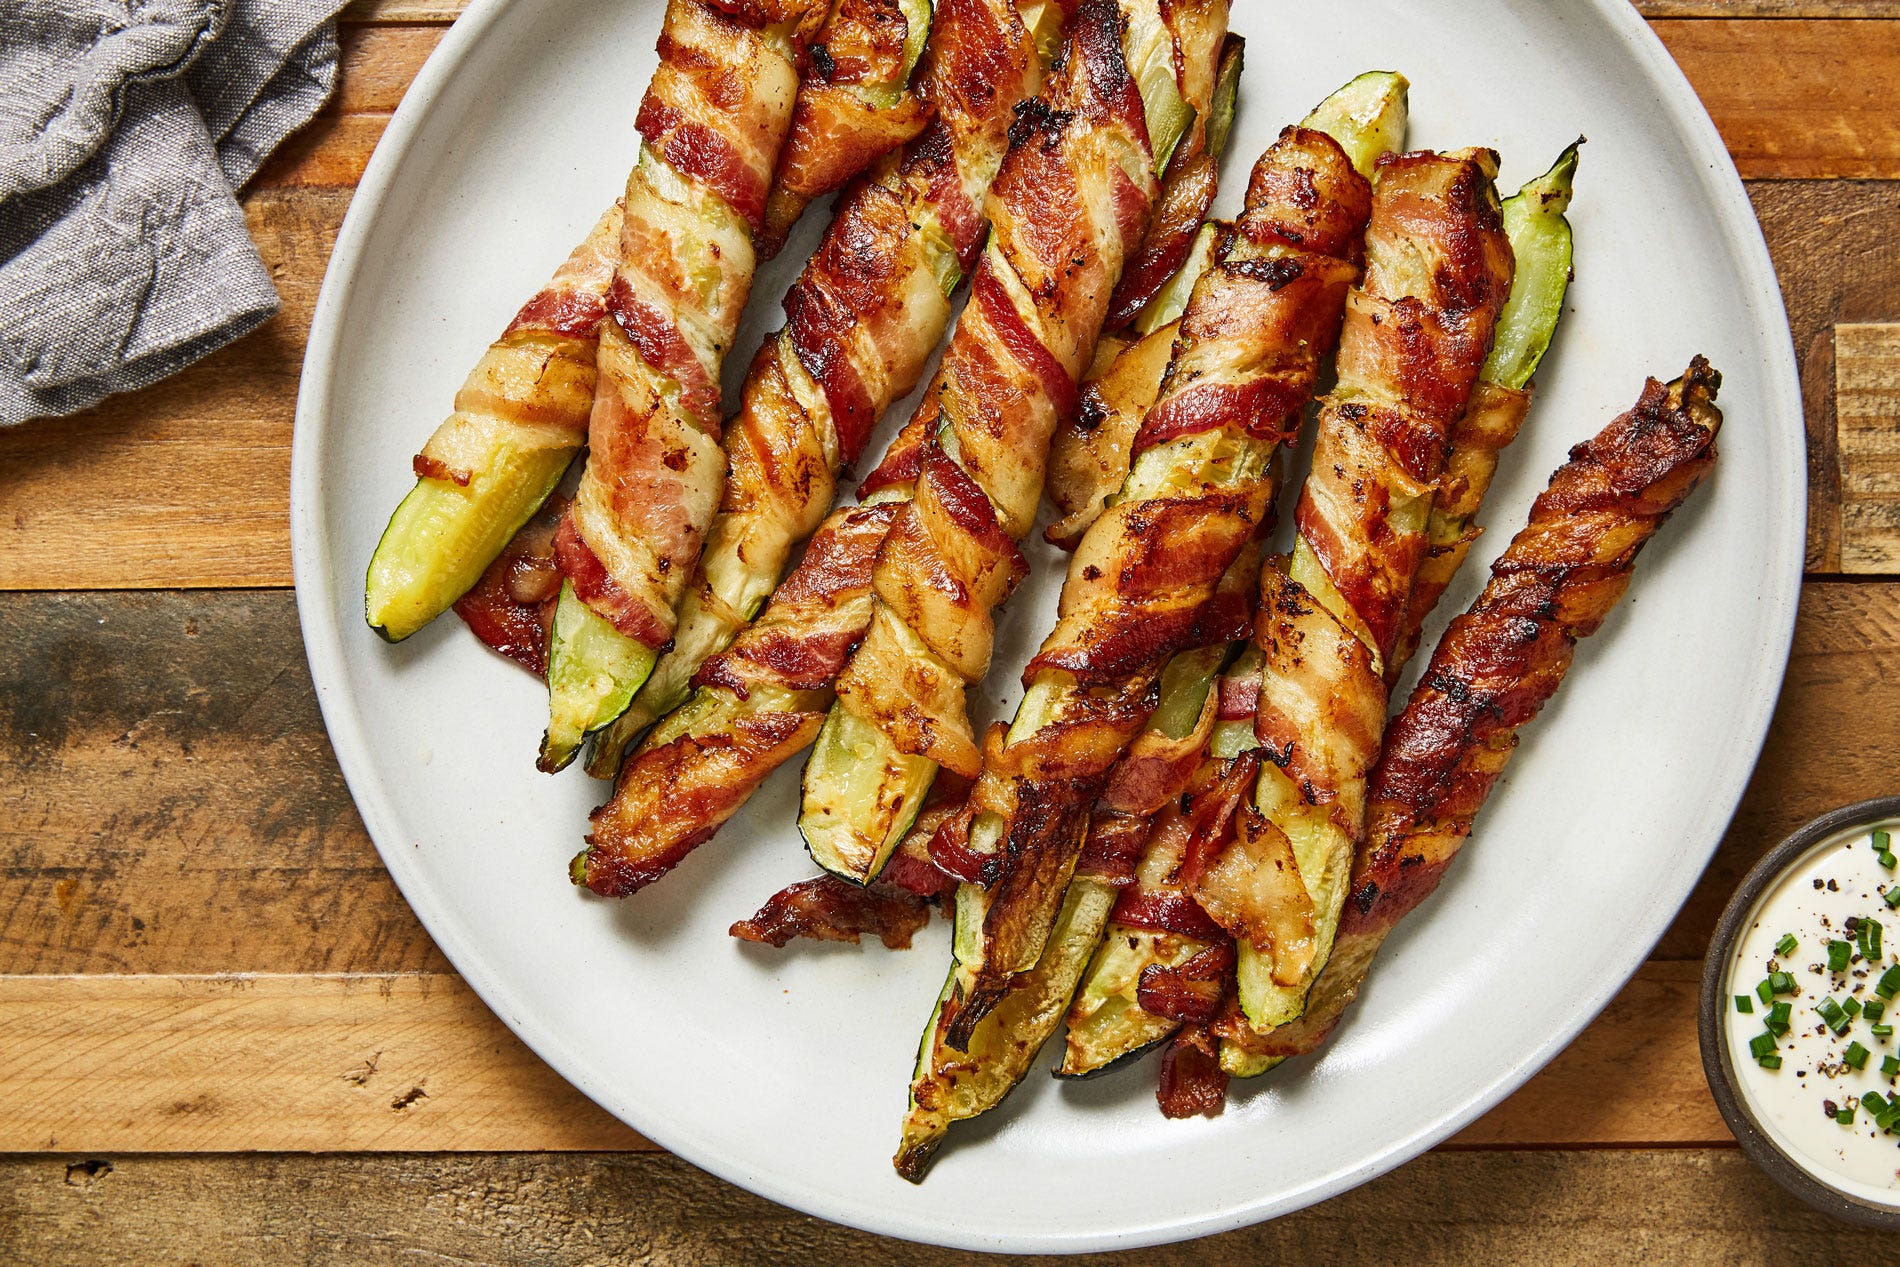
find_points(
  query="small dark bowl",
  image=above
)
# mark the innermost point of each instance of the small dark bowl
(1716, 1065)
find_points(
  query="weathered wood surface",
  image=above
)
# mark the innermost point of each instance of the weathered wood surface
(1867, 395)
(223, 426)
(416, 1063)
(1460, 1209)
(170, 803)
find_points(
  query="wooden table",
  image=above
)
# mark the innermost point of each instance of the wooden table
(224, 1037)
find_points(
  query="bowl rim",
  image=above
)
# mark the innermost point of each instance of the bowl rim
(1717, 1064)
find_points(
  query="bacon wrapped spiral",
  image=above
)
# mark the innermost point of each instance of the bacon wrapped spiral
(1500, 662)
(711, 123)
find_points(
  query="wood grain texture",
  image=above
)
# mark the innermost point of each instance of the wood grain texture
(309, 1064)
(1609, 1209)
(416, 1063)
(171, 803)
(1867, 402)
(120, 497)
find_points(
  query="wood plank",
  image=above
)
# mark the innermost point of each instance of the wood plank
(1794, 99)
(1797, 99)
(171, 804)
(116, 498)
(319, 1064)
(415, 1062)
(1867, 396)
(1459, 1209)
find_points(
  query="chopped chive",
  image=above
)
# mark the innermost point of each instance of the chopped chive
(1870, 938)
(1744, 1004)
(1781, 982)
(1889, 1065)
(1889, 983)
(1787, 945)
(1856, 1055)
(1838, 953)
(1873, 1009)
(1851, 1007)
(1887, 860)
(1761, 1045)
(1765, 992)
(1769, 1062)
(1873, 1102)
(1836, 1017)
(1883, 840)
(1883, 1031)
(1845, 1116)
(1892, 896)
(1780, 1016)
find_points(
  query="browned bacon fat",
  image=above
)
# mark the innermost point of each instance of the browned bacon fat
(1501, 661)
(829, 909)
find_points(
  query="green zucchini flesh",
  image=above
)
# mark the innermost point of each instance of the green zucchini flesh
(444, 535)
(593, 671)
(861, 796)
(1540, 233)
(1367, 117)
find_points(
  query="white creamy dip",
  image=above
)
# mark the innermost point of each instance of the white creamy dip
(1812, 900)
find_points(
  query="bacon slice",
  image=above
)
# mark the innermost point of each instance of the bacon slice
(1192, 1081)
(829, 909)
(711, 124)
(512, 606)
(1501, 661)
(842, 123)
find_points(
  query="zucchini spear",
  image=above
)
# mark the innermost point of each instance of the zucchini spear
(753, 706)
(864, 317)
(1100, 1032)
(969, 1061)
(522, 414)
(1308, 607)
(1198, 492)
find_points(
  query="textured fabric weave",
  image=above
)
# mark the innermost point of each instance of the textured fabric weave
(126, 128)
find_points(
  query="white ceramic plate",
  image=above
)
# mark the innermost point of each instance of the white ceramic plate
(785, 1071)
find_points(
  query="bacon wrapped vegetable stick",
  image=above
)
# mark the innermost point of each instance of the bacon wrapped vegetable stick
(1438, 272)
(864, 317)
(1066, 211)
(523, 412)
(1498, 664)
(1244, 367)
(964, 1076)
(1107, 1022)
(644, 830)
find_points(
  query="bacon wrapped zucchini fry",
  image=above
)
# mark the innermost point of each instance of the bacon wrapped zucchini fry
(1438, 272)
(863, 319)
(523, 412)
(1541, 244)
(1069, 206)
(859, 102)
(706, 792)
(1499, 663)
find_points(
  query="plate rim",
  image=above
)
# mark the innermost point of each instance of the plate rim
(323, 645)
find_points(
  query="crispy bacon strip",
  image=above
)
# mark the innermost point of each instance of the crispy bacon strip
(829, 909)
(858, 103)
(694, 773)
(711, 124)
(862, 321)
(1192, 1081)
(1244, 366)
(1438, 272)
(1500, 663)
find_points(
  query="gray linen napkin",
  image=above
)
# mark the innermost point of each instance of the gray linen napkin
(126, 127)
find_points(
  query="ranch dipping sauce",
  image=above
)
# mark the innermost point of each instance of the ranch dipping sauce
(1814, 964)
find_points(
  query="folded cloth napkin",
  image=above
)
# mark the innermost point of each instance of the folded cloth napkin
(126, 128)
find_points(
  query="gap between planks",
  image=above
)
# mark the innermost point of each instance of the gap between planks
(1867, 406)
(416, 1063)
